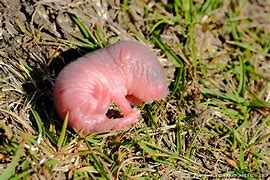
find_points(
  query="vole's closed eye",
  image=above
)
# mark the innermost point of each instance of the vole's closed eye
(154, 74)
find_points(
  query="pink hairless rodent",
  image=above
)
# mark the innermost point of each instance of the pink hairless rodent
(127, 73)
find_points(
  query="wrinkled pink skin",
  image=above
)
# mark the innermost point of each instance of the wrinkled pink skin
(125, 73)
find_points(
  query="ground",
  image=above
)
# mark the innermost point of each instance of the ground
(214, 123)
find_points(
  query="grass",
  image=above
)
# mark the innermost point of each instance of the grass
(214, 123)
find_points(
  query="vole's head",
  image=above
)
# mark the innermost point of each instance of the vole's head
(146, 80)
(149, 79)
(153, 85)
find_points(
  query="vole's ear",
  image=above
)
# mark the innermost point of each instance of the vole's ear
(124, 54)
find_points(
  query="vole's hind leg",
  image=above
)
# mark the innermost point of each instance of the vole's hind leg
(129, 119)
(105, 125)
(115, 124)
(123, 103)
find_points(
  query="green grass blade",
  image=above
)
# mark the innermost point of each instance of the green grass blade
(179, 82)
(150, 116)
(11, 167)
(92, 139)
(41, 128)
(168, 52)
(146, 148)
(22, 175)
(83, 40)
(251, 70)
(259, 103)
(244, 46)
(86, 169)
(99, 167)
(207, 5)
(52, 163)
(51, 137)
(158, 24)
(190, 16)
(40, 124)
(155, 147)
(192, 144)
(79, 44)
(224, 96)
(242, 163)
(84, 29)
(179, 138)
(179, 4)
(100, 36)
(241, 86)
(261, 156)
(263, 138)
(62, 137)
(20, 26)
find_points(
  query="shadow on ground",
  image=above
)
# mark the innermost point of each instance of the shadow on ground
(40, 87)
